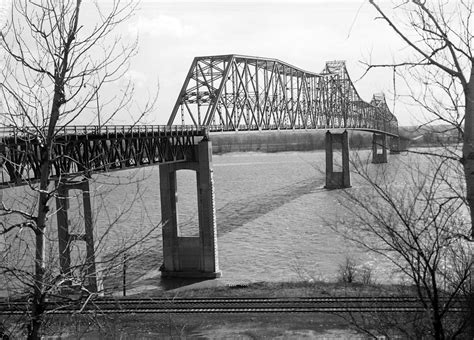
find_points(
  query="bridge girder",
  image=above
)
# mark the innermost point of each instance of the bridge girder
(83, 150)
(232, 92)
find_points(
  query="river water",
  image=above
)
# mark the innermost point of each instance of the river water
(274, 220)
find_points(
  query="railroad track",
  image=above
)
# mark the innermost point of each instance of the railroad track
(228, 305)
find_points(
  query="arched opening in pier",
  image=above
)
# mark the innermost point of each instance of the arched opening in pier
(75, 229)
(337, 156)
(187, 203)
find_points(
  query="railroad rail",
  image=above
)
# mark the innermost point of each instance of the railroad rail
(231, 305)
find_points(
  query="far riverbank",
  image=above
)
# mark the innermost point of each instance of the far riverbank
(309, 140)
(280, 141)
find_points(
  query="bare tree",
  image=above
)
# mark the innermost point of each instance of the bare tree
(440, 35)
(55, 72)
(440, 76)
(412, 216)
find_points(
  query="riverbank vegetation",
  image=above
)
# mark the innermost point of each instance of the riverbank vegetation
(425, 227)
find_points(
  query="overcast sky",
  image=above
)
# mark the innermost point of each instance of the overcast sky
(305, 34)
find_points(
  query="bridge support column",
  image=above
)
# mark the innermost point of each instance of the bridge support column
(66, 238)
(379, 141)
(191, 257)
(341, 179)
(394, 145)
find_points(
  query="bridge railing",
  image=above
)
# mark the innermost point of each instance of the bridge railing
(29, 132)
(382, 125)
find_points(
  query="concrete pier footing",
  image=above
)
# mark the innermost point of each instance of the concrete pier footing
(340, 179)
(379, 142)
(66, 237)
(190, 257)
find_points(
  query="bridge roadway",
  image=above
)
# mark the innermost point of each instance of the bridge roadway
(219, 94)
(83, 150)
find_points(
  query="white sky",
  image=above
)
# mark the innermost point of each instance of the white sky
(303, 33)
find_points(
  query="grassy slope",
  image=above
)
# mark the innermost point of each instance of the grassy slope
(229, 326)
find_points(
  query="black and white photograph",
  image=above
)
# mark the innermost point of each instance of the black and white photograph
(236, 169)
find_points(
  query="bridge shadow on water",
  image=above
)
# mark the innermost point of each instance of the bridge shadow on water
(231, 216)
(235, 214)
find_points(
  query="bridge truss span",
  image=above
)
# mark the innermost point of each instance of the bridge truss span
(83, 150)
(232, 92)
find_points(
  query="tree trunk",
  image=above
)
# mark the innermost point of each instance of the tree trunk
(37, 308)
(468, 147)
(435, 304)
(468, 163)
(58, 100)
(438, 326)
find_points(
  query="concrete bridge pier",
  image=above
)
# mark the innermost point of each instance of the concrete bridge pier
(66, 238)
(379, 141)
(394, 145)
(340, 179)
(190, 257)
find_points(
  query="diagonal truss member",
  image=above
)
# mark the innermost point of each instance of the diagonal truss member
(232, 92)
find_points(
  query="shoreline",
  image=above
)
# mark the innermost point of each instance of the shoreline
(309, 288)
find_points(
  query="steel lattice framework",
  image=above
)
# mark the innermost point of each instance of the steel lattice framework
(232, 92)
(82, 150)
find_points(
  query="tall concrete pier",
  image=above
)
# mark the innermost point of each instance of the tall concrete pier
(395, 145)
(337, 179)
(379, 142)
(192, 257)
(66, 237)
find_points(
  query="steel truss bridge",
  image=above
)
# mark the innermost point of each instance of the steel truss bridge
(233, 92)
(220, 93)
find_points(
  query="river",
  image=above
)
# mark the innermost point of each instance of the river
(274, 217)
(274, 220)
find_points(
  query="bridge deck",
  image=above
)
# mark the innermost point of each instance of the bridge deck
(82, 150)
(86, 149)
